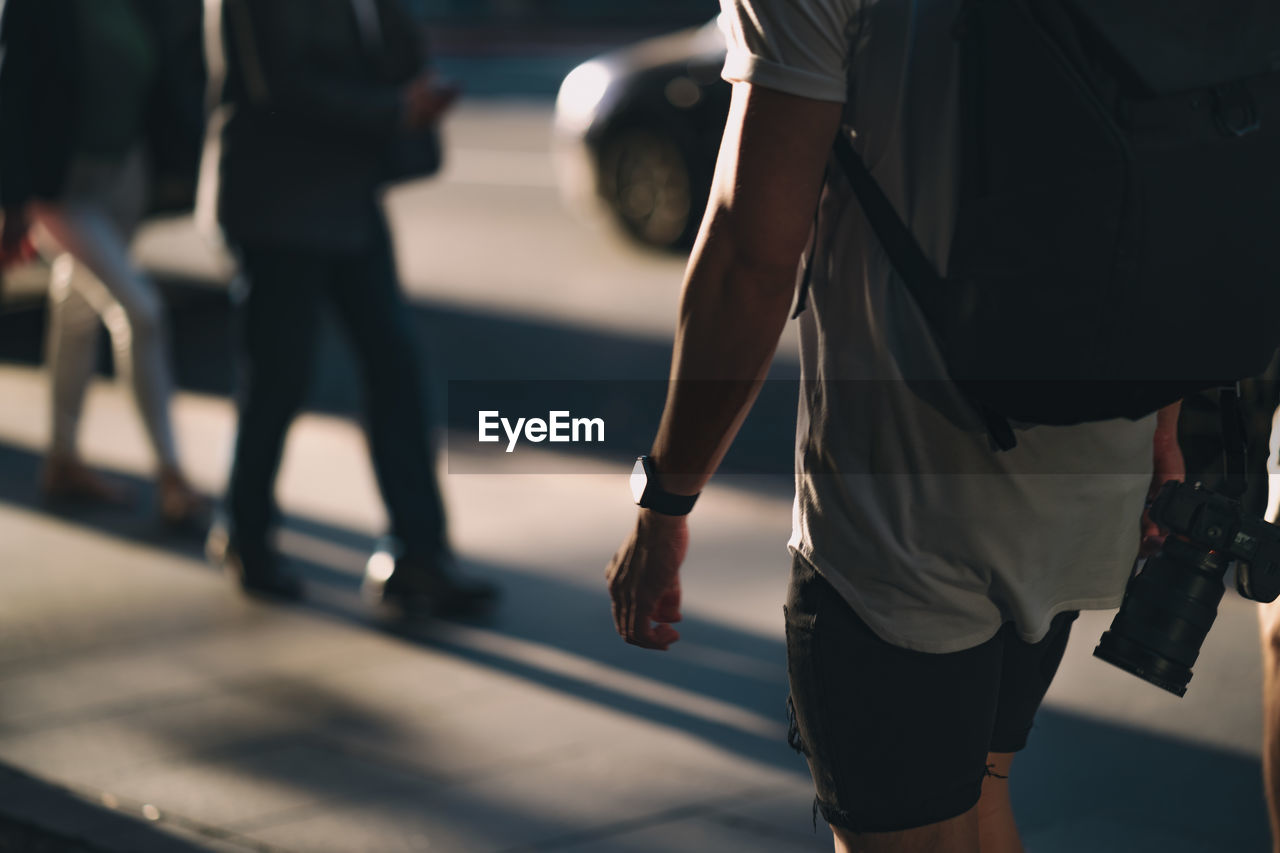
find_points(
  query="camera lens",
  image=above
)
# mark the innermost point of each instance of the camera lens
(1168, 610)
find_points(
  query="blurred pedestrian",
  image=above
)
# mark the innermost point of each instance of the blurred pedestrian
(933, 582)
(329, 101)
(101, 123)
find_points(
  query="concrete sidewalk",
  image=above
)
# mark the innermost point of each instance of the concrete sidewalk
(42, 818)
(135, 680)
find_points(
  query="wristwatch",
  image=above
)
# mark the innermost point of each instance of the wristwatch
(650, 495)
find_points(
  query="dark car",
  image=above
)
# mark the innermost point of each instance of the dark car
(638, 129)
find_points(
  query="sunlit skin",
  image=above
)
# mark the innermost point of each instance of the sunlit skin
(737, 293)
(1269, 620)
(734, 305)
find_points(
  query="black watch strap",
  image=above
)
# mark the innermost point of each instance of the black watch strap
(654, 497)
(667, 503)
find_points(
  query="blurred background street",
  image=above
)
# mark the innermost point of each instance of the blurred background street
(145, 705)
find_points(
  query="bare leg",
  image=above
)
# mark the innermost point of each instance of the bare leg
(1269, 617)
(957, 835)
(997, 829)
(989, 827)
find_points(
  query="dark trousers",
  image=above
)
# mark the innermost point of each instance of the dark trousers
(277, 323)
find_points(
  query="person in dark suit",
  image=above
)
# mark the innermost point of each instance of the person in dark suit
(319, 92)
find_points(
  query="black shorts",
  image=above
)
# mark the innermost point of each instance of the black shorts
(897, 739)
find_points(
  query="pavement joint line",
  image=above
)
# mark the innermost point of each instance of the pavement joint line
(702, 808)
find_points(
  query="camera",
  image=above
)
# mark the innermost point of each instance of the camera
(1171, 602)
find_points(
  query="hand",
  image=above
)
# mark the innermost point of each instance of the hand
(426, 100)
(644, 580)
(1168, 465)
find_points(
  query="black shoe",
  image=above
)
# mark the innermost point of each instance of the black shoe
(457, 598)
(414, 588)
(259, 576)
(274, 585)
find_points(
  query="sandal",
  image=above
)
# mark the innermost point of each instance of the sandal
(180, 504)
(66, 478)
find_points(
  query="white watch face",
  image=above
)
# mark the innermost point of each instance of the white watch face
(638, 481)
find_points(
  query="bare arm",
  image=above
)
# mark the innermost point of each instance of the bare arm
(741, 276)
(737, 291)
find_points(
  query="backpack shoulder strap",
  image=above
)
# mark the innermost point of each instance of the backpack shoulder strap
(909, 260)
(898, 241)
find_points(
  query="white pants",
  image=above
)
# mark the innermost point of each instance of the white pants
(96, 279)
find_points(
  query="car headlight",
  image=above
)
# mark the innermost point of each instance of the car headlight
(580, 95)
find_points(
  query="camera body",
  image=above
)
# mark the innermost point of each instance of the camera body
(1169, 606)
(1218, 523)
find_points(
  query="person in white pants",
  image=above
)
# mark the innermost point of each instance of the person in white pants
(98, 100)
(94, 223)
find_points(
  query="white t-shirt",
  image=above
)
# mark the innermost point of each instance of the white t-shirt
(934, 539)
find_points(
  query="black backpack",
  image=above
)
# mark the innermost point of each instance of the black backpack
(1117, 242)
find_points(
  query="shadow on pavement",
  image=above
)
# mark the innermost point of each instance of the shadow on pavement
(1109, 779)
(1083, 784)
(1081, 779)
(534, 609)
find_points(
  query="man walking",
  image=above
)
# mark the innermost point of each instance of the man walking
(319, 91)
(934, 581)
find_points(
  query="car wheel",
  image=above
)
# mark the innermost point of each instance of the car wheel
(647, 180)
